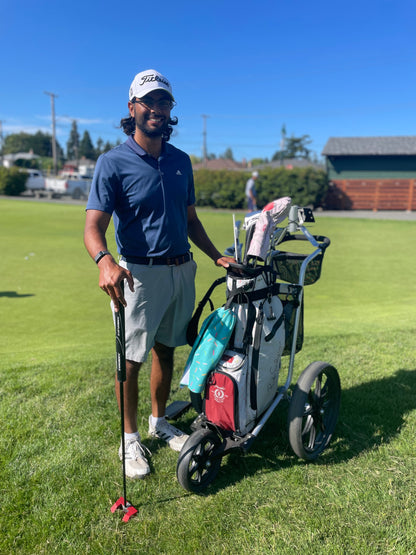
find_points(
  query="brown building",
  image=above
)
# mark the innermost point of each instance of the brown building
(371, 173)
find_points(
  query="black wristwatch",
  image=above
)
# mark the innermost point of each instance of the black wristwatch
(100, 255)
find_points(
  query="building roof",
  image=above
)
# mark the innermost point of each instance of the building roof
(370, 146)
(218, 164)
(20, 156)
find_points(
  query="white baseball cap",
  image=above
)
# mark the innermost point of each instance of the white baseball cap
(148, 81)
(255, 174)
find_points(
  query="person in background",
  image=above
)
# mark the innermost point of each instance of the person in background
(251, 192)
(147, 186)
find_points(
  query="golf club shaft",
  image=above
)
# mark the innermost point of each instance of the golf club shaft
(121, 377)
(235, 239)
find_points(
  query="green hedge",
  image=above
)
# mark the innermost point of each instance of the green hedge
(226, 189)
(12, 181)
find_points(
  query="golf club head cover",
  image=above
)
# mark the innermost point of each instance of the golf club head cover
(272, 214)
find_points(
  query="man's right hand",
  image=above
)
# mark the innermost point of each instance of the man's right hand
(111, 276)
(111, 273)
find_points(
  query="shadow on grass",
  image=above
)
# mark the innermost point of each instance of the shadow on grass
(372, 414)
(14, 294)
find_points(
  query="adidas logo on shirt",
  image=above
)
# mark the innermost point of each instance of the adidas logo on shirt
(178, 172)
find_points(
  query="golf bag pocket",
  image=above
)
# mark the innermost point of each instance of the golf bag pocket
(227, 395)
(292, 301)
(221, 400)
(268, 341)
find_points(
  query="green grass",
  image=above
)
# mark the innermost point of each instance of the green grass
(59, 471)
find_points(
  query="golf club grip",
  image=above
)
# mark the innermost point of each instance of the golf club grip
(120, 342)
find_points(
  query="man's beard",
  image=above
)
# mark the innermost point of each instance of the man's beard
(152, 133)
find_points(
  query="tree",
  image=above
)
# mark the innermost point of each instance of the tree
(39, 143)
(225, 189)
(12, 181)
(108, 146)
(228, 154)
(86, 148)
(258, 161)
(99, 147)
(72, 146)
(295, 147)
(195, 159)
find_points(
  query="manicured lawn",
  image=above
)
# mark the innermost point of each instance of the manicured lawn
(59, 471)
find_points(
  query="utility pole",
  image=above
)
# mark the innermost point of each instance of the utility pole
(204, 135)
(55, 161)
(1, 143)
(282, 143)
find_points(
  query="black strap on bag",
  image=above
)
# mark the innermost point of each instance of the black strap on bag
(192, 329)
(255, 356)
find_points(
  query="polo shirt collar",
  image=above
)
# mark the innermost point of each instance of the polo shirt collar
(130, 142)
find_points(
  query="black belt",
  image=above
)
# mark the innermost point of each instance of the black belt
(159, 260)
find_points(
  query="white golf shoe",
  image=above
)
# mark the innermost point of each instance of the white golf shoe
(174, 438)
(136, 461)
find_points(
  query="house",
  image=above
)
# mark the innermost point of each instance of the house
(83, 167)
(219, 164)
(9, 160)
(371, 173)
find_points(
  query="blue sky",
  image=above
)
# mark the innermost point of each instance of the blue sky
(323, 68)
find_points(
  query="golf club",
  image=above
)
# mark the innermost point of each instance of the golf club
(236, 249)
(236, 230)
(122, 502)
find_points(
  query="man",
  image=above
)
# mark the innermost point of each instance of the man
(251, 192)
(146, 184)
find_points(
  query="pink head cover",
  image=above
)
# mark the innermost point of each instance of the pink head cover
(272, 214)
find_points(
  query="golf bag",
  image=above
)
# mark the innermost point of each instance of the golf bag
(245, 380)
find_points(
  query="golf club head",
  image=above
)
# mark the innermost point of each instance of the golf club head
(251, 219)
(124, 506)
(230, 251)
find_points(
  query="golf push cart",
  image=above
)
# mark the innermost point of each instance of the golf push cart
(235, 377)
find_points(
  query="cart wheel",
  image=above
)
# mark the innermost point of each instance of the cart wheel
(197, 467)
(313, 410)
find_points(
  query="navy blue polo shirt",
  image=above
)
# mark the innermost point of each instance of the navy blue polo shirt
(148, 198)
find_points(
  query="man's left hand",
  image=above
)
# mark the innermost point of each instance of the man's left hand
(225, 261)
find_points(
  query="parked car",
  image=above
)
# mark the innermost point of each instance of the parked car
(74, 185)
(35, 180)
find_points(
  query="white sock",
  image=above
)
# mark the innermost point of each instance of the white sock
(134, 435)
(154, 420)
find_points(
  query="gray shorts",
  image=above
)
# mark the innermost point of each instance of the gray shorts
(160, 308)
